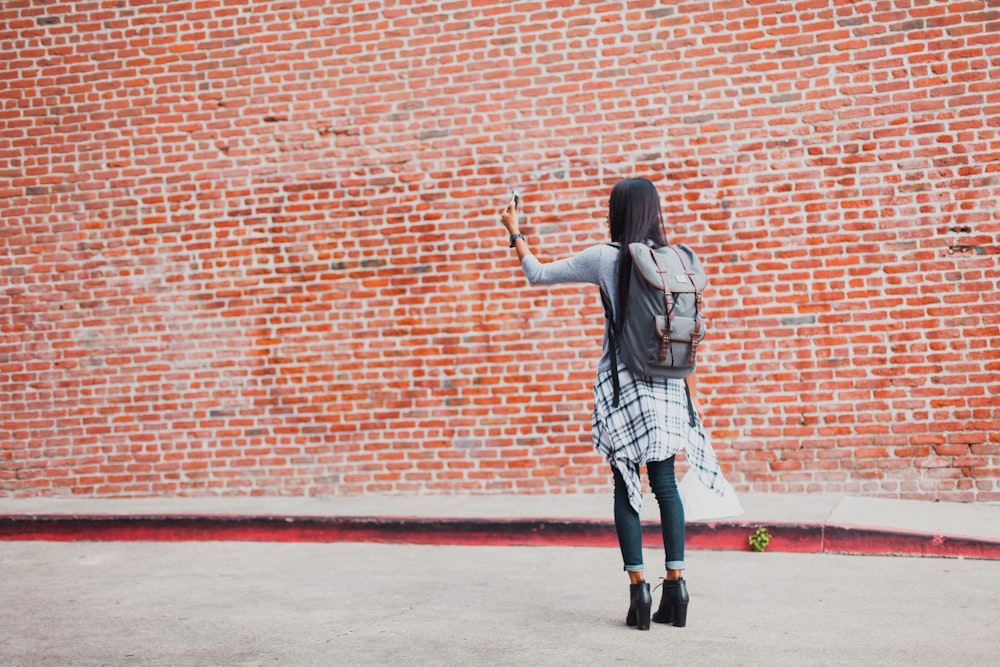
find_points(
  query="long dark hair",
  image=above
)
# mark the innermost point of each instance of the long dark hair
(634, 216)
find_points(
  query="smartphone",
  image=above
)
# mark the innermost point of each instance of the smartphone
(515, 199)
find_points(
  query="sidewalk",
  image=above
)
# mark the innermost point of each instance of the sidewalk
(797, 523)
(264, 604)
(252, 582)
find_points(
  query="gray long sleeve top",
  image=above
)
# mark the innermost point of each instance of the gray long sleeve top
(596, 265)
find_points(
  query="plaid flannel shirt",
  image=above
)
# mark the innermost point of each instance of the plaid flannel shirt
(653, 421)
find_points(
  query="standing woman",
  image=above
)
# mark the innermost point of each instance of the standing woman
(655, 417)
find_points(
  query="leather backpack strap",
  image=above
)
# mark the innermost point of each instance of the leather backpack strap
(687, 267)
(696, 334)
(666, 352)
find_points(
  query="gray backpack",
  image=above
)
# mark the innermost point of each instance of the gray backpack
(663, 322)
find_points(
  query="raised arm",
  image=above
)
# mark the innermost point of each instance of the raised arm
(509, 219)
(584, 267)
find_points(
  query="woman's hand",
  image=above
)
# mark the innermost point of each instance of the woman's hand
(508, 217)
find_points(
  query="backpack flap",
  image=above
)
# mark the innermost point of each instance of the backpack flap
(691, 265)
(664, 323)
(679, 338)
(677, 264)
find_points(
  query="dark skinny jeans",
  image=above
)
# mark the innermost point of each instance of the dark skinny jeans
(629, 528)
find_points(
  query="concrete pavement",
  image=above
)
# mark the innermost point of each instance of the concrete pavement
(231, 604)
(425, 580)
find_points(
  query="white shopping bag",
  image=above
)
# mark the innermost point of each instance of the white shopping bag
(702, 503)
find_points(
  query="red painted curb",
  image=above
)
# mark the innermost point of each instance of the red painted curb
(399, 530)
(868, 541)
(732, 536)
(726, 536)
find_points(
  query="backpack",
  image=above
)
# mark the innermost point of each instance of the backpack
(663, 322)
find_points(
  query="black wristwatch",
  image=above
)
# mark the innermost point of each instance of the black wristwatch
(515, 237)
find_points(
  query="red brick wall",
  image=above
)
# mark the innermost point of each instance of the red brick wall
(252, 248)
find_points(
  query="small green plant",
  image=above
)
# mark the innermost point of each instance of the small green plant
(759, 539)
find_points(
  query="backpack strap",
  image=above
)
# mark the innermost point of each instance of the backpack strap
(696, 334)
(692, 415)
(612, 344)
(668, 306)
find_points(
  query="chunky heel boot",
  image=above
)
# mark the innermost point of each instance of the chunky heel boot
(673, 604)
(640, 604)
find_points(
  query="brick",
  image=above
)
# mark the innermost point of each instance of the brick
(287, 277)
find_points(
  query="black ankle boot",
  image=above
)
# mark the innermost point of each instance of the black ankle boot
(640, 604)
(673, 604)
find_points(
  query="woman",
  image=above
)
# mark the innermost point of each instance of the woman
(655, 417)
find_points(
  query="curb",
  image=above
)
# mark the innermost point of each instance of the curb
(725, 536)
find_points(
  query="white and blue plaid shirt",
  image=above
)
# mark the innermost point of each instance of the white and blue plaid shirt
(654, 420)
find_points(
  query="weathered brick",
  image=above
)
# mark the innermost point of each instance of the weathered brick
(286, 277)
